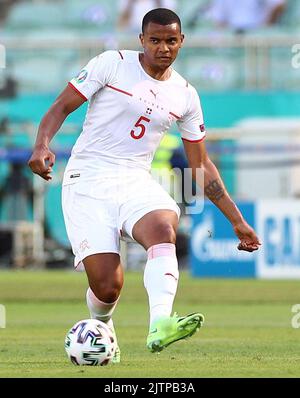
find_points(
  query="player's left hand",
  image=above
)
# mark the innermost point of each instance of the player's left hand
(248, 239)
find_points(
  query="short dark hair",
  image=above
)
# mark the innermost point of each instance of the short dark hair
(161, 16)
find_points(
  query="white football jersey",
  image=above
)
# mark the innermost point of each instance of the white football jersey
(129, 112)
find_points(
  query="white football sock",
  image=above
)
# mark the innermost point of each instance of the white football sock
(100, 310)
(161, 279)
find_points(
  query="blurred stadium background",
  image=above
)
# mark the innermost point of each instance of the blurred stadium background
(249, 86)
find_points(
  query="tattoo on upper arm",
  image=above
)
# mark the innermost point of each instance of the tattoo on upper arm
(214, 190)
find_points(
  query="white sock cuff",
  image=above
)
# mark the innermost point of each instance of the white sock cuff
(96, 302)
(159, 267)
(161, 250)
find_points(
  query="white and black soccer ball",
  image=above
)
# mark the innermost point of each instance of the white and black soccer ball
(90, 342)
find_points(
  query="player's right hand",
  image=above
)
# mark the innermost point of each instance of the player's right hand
(249, 241)
(41, 162)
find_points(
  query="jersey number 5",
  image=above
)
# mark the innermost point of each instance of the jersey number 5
(139, 124)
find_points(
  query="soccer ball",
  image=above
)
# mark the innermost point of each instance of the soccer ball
(90, 342)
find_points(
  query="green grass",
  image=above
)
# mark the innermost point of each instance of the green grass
(247, 332)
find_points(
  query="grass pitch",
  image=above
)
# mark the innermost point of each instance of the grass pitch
(247, 333)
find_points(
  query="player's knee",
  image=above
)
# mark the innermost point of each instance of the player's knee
(107, 291)
(165, 233)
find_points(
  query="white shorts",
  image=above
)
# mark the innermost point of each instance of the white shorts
(99, 211)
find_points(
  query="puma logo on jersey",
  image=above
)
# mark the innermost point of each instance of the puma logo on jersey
(152, 92)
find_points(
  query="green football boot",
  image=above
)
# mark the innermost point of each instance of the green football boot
(168, 329)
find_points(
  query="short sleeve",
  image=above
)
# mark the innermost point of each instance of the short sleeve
(96, 74)
(191, 124)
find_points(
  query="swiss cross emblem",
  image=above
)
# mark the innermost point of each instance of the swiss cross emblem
(84, 245)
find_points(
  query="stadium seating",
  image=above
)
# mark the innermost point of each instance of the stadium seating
(72, 20)
(27, 15)
(81, 16)
(206, 70)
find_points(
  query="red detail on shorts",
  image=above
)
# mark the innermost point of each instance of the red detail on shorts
(202, 139)
(119, 90)
(172, 275)
(121, 55)
(77, 91)
(173, 114)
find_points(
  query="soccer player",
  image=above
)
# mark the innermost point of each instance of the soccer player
(108, 191)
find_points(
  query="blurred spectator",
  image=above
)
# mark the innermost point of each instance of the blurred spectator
(8, 88)
(16, 193)
(132, 12)
(4, 126)
(5, 6)
(243, 15)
